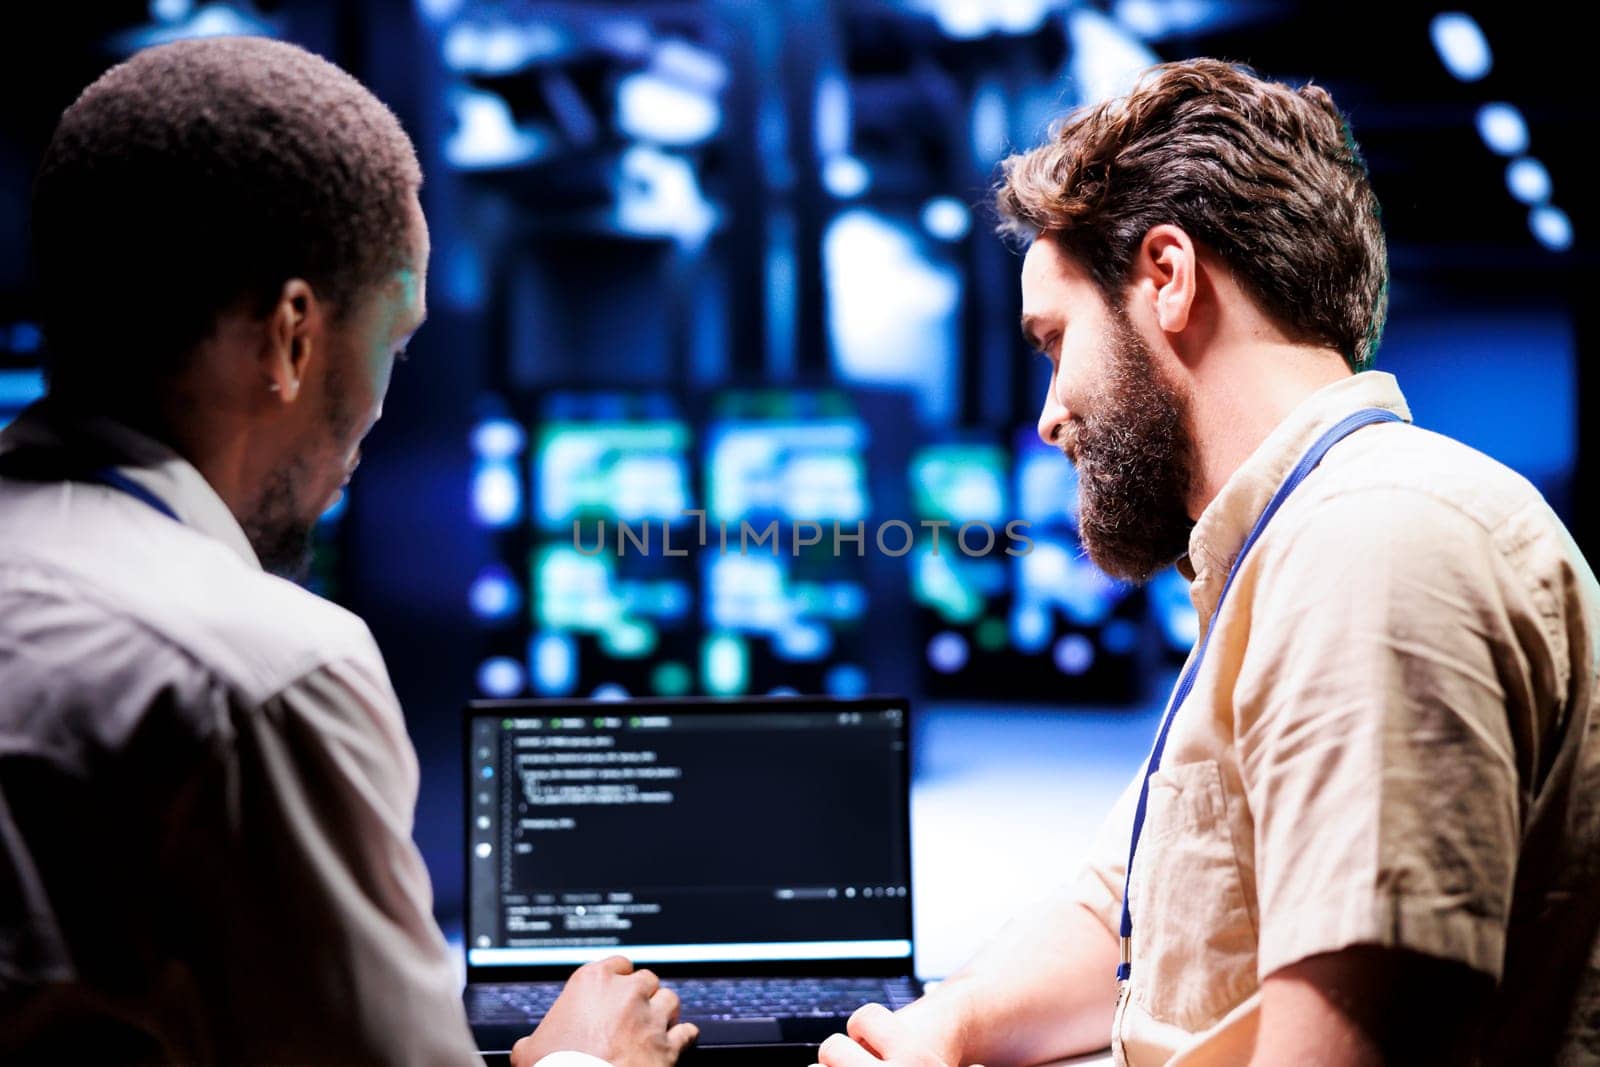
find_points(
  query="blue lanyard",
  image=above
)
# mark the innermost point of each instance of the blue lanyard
(59, 465)
(1308, 462)
(115, 479)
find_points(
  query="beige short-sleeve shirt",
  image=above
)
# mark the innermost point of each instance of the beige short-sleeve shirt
(1391, 742)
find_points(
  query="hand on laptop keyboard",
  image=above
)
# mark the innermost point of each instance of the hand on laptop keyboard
(609, 1010)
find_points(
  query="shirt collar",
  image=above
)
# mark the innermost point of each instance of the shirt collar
(153, 465)
(1221, 531)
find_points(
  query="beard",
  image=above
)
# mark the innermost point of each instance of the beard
(1135, 461)
(279, 529)
(276, 530)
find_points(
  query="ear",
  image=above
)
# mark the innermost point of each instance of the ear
(294, 336)
(1165, 272)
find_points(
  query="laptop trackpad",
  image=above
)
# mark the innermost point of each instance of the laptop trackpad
(738, 1031)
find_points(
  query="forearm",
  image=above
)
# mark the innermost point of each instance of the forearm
(1044, 988)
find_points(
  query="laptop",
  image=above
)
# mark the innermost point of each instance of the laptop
(754, 852)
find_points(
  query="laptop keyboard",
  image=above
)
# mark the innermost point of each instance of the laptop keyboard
(709, 998)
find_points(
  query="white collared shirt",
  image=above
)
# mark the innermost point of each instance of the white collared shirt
(206, 791)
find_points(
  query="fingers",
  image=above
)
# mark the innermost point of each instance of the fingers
(840, 1051)
(665, 1006)
(681, 1037)
(648, 982)
(875, 1026)
(614, 965)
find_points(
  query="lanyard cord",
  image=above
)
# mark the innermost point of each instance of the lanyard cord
(41, 465)
(1308, 462)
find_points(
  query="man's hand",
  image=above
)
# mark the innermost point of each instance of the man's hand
(878, 1037)
(609, 1010)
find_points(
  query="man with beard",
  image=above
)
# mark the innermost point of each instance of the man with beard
(1369, 827)
(206, 788)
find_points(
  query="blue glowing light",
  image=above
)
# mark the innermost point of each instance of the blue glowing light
(496, 494)
(500, 676)
(833, 116)
(1461, 45)
(610, 691)
(1119, 637)
(652, 108)
(26, 338)
(726, 664)
(487, 135)
(494, 594)
(19, 388)
(846, 177)
(1551, 227)
(891, 309)
(170, 10)
(845, 680)
(947, 652)
(1074, 654)
(1030, 626)
(211, 20)
(1503, 129)
(1106, 59)
(947, 218)
(991, 123)
(497, 439)
(501, 48)
(658, 194)
(335, 511)
(554, 657)
(1174, 611)
(1528, 180)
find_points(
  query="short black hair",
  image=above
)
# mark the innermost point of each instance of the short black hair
(200, 175)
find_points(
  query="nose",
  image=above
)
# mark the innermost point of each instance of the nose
(1053, 417)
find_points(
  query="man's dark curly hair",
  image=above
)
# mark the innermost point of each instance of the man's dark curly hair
(1266, 175)
(198, 177)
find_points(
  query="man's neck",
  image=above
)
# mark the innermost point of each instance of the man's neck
(1239, 396)
(178, 423)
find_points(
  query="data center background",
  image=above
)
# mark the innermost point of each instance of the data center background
(736, 258)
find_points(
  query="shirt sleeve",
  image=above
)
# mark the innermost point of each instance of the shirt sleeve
(326, 949)
(1375, 706)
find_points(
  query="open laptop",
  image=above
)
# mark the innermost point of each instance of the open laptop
(755, 853)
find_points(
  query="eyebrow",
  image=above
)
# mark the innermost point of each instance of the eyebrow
(1030, 324)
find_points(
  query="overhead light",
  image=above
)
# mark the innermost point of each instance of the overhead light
(555, 663)
(947, 652)
(181, 21)
(1461, 45)
(846, 177)
(833, 116)
(652, 108)
(658, 194)
(501, 676)
(501, 48)
(170, 10)
(496, 495)
(486, 135)
(946, 218)
(497, 439)
(1503, 129)
(1551, 227)
(494, 593)
(1528, 180)
(1106, 59)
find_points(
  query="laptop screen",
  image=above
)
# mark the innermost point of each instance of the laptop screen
(693, 832)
